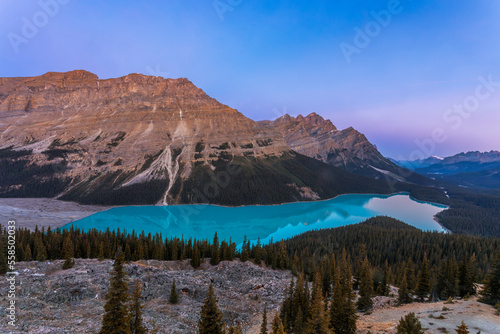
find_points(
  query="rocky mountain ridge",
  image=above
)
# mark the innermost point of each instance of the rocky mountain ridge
(142, 139)
(466, 169)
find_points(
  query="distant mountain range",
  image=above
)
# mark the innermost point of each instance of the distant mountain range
(148, 140)
(471, 169)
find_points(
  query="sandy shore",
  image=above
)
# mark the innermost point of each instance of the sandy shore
(29, 212)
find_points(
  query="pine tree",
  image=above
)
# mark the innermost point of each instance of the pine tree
(403, 293)
(257, 257)
(116, 316)
(281, 259)
(462, 329)
(365, 301)
(69, 262)
(409, 325)
(128, 255)
(278, 325)
(318, 320)
(210, 318)
(465, 280)
(100, 257)
(174, 297)
(136, 322)
(286, 311)
(299, 325)
(215, 257)
(359, 265)
(27, 253)
(40, 249)
(423, 284)
(195, 256)
(491, 290)
(300, 301)
(245, 252)
(384, 285)
(410, 276)
(343, 312)
(263, 327)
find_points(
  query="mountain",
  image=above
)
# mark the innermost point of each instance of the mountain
(143, 140)
(420, 163)
(471, 169)
(348, 149)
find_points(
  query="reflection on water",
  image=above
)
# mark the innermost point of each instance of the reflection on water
(264, 222)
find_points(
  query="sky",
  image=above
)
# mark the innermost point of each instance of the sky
(418, 78)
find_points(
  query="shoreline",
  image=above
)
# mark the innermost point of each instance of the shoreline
(45, 212)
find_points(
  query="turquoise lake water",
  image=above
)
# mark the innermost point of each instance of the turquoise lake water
(264, 222)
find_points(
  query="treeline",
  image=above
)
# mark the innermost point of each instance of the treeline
(385, 241)
(472, 212)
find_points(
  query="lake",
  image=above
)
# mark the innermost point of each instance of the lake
(263, 221)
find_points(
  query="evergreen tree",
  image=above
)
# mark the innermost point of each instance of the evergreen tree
(278, 325)
(403, 293)
(286, 311)
(318, 320)
(116, 316)
(365, 301)
(465, 280)
(69, 262)
(174, 297)
(257, 253)
(136, 322)
(210, 318)
(384, 285)
(40, 249)
(263, 327)
(215, 257)
(100, 257)
(281, 259)
(343, 312)
(195, 256)
(245, 250)
(462, 329)
(27, 253)
(409, 325)
(491, 290)
(299, 325)
(410, 276)
(423, 284)
(359, 266)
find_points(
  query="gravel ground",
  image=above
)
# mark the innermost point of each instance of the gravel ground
(52, 300)
(435, 317)
(29, 212)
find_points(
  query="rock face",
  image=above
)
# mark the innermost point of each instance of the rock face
(349, 149)
(148, 140)
(51, 300)
(94, 126)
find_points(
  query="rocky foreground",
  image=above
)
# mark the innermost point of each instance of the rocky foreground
(51, 300)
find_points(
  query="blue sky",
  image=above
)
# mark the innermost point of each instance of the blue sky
(406, 80)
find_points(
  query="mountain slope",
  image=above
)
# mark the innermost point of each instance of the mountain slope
(144, 140)
(348, 149)
(471, 169)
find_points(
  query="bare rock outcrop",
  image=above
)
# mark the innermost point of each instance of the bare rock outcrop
(51, 300)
